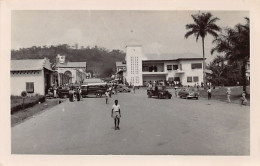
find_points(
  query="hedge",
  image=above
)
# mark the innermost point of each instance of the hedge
(28, 104)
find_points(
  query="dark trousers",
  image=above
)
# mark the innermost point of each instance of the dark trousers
(209, 96)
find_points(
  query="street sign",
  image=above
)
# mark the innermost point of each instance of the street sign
(24, 94)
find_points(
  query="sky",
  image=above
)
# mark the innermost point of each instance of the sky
(157, 31)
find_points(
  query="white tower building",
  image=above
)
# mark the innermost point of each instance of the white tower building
(134, 56)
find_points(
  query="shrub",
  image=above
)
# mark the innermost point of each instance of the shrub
(32, 102)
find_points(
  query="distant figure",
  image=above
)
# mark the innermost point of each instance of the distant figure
(71, 95)
(133, 88)
(78, 94)
(107, 95)
(243, 98)
(55, 92)
(110, 91)
(209, 93)
(228, 94)
(116, 114)
(176, 92)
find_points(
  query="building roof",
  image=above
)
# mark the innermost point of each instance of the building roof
(30, 64)
(72, 65)
(118, 63)
(150, 57)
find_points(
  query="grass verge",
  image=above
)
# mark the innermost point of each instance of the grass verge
(22, 115)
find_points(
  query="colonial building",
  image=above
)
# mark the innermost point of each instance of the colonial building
(70, 72)
(31, 75)
(142, 68)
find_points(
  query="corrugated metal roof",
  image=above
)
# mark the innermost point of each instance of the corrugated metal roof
(72, 64)
(28, 64)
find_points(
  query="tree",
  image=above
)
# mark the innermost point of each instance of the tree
(223, 73)
(204, 24)
(235, 44)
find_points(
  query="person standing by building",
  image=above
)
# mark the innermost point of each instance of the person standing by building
(228, 94)
(107, 95)
(209, 93)
(134, 88)
(116, 114)
(78, 94)
(243, 98)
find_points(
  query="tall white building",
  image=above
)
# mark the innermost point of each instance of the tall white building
(134, 55)
(143, 68)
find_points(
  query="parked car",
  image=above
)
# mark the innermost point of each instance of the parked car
(159, 91)
(188, 93)
(63, 92)
(97, 89)
(122, 88)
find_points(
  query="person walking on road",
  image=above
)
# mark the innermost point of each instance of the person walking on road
(209, 93)
(133, 88)
(116, 114)
(107, 95)
(228, 94)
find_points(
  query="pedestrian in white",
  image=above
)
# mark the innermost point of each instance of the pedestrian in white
(116, 114)
(107, 95)
(228, 94)
(243, 98)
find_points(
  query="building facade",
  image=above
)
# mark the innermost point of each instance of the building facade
(31, 75)
(70, 72)
(121, 72)
(141, 69)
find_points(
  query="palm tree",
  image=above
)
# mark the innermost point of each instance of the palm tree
(235, 44)
(204, 24)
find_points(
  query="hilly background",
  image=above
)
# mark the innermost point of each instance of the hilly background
(100, 61)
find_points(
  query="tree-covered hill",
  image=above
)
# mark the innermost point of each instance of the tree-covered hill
(99, 60)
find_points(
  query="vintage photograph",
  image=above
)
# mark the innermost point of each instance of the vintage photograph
(130, 82)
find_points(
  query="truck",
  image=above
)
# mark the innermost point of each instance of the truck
(97, 89)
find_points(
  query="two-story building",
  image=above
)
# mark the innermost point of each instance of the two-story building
(180, 68)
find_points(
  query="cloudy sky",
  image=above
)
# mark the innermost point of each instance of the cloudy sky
(157, 31)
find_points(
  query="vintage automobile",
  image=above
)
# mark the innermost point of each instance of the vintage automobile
(122, 88)
(97, 89)
(63, 92)
(188, 93)
(159, 92)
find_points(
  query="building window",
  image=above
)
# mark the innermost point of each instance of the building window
(145, 68)
(30, 87)
(196, 79)
(174, 67)
(169, 67)
(189, 79)
(196, 66)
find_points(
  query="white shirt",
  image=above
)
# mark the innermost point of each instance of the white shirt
(107, 94)
(115, 108)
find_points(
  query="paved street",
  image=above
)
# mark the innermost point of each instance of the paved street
(148, 126)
